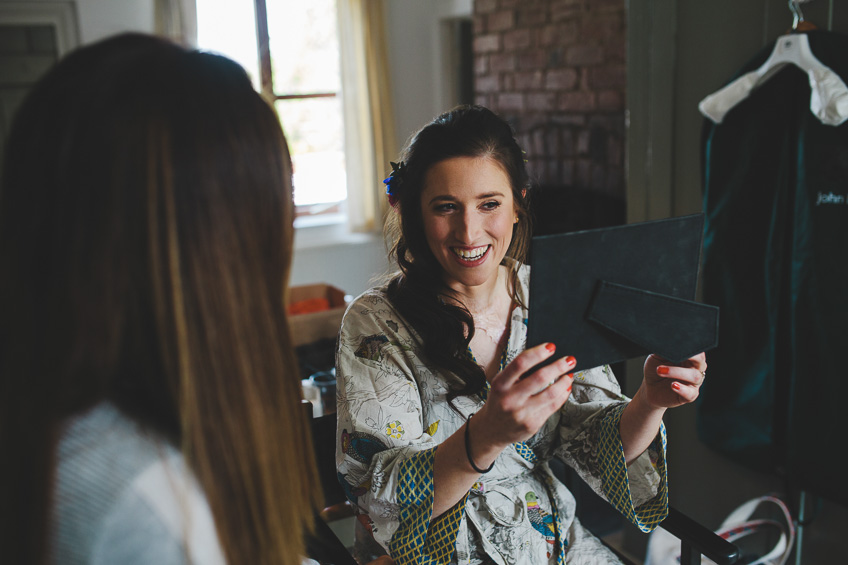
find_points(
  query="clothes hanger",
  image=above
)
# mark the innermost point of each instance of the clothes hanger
(799, 24)
(829, 94)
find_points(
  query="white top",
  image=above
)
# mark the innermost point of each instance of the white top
(125, 495)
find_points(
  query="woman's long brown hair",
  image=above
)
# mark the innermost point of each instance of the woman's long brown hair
(417, 290)
(145, 248)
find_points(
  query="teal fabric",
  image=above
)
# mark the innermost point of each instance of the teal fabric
(776, 263)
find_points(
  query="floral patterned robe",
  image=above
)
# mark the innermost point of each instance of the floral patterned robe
(393, 413)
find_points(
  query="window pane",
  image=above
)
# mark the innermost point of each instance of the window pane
(229, 27)
(313, 128)
(304, 46)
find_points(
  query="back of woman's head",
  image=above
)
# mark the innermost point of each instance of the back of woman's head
(145, 242)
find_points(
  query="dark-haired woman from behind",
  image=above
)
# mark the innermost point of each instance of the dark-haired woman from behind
(445, 428)
(149, 411)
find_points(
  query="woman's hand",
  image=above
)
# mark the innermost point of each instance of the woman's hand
(667, 385)
(520, 402)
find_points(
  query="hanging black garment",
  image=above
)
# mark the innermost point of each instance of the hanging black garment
(776, 263)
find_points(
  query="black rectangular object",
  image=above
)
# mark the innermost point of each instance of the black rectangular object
(611, 294)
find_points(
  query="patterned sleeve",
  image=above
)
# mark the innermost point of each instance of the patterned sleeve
(385, 448)
(590, 442)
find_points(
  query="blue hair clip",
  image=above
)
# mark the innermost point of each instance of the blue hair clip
(394, 181)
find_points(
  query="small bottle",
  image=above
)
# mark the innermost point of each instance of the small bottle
(325, 382)
(313, 394)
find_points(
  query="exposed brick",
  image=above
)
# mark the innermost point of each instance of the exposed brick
(599, 177)
(487, 83)
(501, 21)
(552, 144)
(510, 101)
(611, 100)
(584, 79)
(555, 171)
(585, 55)
(564, 9)
(529, 80)
(485, 6)
(532, 16)
(610, 76)
(532, 60)
(615, 151)
(541, 101)
(566, 176)
(483, 100)
(598, 138)
(478, 25)
(561, 79)
(613, 124)
(531, 121)
(501, 62)
(615, 181)
(536, 169)
(538, 145)
(547, 35)
(517, 39)
(566, 33)
(616, 51)
(487, 43)
(556, 57)
(573, 120)
(583, 176)
(608, 5)
(578, 101)
(583, 142)
(481, 64)
(566, 143)
(602, 28)
(556, 71)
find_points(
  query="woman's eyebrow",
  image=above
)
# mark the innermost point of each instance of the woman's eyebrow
(454, 199)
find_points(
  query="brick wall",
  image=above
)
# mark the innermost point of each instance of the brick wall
(556, 70)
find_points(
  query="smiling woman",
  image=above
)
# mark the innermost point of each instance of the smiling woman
(413, 369)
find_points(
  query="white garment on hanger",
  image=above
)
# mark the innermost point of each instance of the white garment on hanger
(828, 96)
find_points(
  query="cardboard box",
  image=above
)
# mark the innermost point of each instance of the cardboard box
(307, 328)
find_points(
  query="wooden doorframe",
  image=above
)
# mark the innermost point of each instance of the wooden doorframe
(651, 49)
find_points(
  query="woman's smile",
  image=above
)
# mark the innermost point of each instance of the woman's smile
(471, 257)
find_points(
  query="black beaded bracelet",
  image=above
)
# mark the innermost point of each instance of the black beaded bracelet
(468, 450)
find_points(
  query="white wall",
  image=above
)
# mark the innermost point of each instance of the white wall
(416, 61)
(102, 18)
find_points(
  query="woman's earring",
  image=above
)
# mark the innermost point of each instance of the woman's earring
(515, 221)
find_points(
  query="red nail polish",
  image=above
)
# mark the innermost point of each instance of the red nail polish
(570, 360)
(569, 388)
(550, 347)
(675, 385)
(662, 370)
